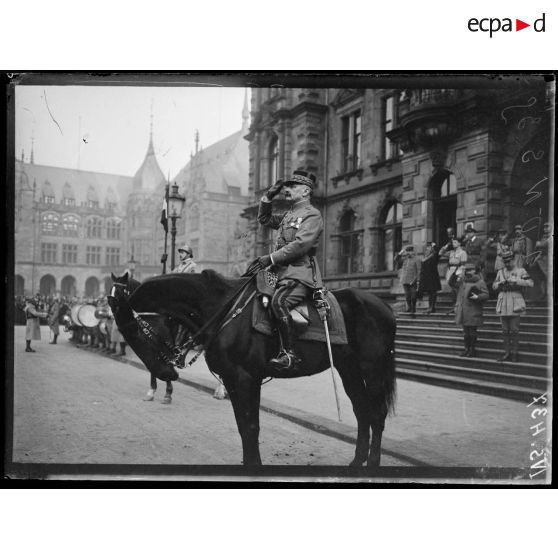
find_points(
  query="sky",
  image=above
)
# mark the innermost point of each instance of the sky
(106, 128)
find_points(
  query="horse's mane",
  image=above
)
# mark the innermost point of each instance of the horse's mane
(180, 293)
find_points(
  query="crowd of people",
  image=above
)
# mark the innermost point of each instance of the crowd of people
(502, 267)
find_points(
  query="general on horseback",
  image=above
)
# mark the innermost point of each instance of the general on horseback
(293, 259)
(230, 320)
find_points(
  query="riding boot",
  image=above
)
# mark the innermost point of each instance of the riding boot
(413, 306)
(53, 342)
(122, 349)
(286, 359)
(28, 348)
(467, 345)
(472, 343)
(507, 354)
(514, 346)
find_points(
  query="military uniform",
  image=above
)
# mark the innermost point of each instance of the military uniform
(187, 266)
(293, 259)
(33, 326)
(53, 314)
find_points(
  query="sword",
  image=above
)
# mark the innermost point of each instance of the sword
(324, 319)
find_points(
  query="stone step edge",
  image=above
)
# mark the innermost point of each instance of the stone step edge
(460, 339)
(484, 387)
(459, 370)
(525, 354)
(458, 329)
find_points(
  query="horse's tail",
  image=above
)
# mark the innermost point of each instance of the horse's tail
(388, 368)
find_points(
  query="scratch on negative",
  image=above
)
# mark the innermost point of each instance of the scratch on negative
(48, 108)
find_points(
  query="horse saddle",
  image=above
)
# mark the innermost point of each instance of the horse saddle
(305, 316)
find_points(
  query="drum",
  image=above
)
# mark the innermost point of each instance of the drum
(74, 314)
(86, 316)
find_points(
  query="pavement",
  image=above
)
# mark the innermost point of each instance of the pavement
(431, 426)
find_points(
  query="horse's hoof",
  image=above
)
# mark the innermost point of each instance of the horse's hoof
(148, 398)
(166, 400)
(220, 392)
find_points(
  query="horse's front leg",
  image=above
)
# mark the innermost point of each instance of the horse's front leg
(167, 400)
(151, 393)
(244, 392)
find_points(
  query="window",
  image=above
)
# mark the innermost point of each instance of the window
(48, 252)
(111, 205)
(92, 204)
(113, 256)
(93, 255)
(349, 245)
(113, 229)
(391, 234)
(391, 149)
(70, 225)
(273, 159)
(94, 225)
(49, 223)
(69, 253)
(447, 188)
(69, 202)
(351, 141)
(48, 199)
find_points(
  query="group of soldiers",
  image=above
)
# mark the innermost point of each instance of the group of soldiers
(504, 262)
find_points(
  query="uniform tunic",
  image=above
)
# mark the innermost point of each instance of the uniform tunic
(521, 246)
(512, 303)
(33, 326)
(468, 312)
(188, 266)
(299, 230)
(456, 259)
(429, 278)
(473, 247)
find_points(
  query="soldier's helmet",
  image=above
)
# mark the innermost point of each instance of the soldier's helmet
(186, 248)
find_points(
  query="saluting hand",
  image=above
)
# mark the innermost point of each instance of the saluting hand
(272, 191)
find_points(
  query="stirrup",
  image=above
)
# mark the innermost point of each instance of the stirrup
(285, 360)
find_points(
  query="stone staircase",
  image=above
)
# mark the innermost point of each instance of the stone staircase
(428, 347)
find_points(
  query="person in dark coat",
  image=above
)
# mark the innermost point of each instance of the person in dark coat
(53, 315)
(33, 326)
(298, 233)
(544, 251)
(471, 293)
(473, 245)
(429, 278)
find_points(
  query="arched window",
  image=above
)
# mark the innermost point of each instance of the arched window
(47, 285)
(443, 192)
(68, 196)
(349, 246)
(94, 226)
(70, 225)
(19, 285)
(391, 234)
(49, 223)
(113, 229)
(68, 286)
(110, 200)
(92, 198)
(47, 192)
(273, 160)
(92, 287)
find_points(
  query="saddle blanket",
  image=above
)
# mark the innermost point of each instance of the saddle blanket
(261, 321)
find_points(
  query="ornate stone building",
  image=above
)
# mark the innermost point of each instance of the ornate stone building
(399, 166)
(73, 227)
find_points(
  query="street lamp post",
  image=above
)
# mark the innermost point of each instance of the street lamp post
(176, 204)
(132, 266)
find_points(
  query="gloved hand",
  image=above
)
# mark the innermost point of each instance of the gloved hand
(272, 191)
(264, 261)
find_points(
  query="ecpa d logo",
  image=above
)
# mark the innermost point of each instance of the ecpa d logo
(492, 25)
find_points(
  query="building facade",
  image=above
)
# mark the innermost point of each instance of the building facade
(74, 228)
(400, 166)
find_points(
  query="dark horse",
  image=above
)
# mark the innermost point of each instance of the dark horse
(239, 354)
(124, 286)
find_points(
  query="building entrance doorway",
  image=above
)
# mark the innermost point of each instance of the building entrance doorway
(443, 193)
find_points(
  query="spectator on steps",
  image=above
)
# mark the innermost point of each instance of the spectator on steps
(471, 293)
(472, 244)
(543, 250)
(429, 278)
(510, 283)
(521, 247)
(410, 271)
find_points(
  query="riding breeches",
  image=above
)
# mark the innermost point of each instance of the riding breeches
(287, 295)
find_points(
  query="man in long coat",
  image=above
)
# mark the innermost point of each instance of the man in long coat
(429, 278)
(33, 326)
(521, 247)
(299, 230)
(409, 277)
(471, 293)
